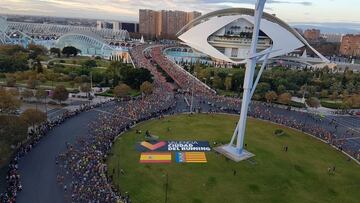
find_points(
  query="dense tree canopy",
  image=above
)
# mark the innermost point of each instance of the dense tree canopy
(60, 93)
(134, 77)
(8, 101)
(146, 88)
(70, 51)
(121, 90)
(89, 63)
(311, 83)
(12, 129)
(55, 51)
(33, 117)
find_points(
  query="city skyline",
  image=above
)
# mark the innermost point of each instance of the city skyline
(292, 11)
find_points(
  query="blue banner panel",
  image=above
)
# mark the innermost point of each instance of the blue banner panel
(164, 146)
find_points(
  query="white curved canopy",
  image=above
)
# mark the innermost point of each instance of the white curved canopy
(88, 43)
(284, 39)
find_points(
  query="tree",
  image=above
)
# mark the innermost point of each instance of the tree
(51, 76)
(8, 102)
(352, 101)
(10, 81)
(135, 77)
(228, 83)
(32, 83)
(55, 51)
(70, 50)
(41, 94)
(27, 94)
(146, 88)
(284, 98)
(13, 129)
(13, 58)
(33, 117)
(334, 95)
(60, 93)
(36, 50)
(271, 96)
(13, 91)
(85, 87)
(324, 93)
(77, 80)
(89, 64)
(238, 80)
(313, 102)
(262, 88)
(222, 75)
(218, 83)
(281, 89)
(311, 90)
(121, 90)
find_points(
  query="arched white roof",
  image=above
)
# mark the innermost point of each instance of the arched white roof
(89, 43)
(285, 39)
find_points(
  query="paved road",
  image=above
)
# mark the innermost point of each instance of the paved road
(3, 171)
(38, 169)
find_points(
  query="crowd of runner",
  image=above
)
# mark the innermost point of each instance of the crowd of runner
(83, 162)
(13, 178)
(307, 123)
(81, 168)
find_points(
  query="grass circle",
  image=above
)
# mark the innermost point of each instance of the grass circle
(299, 174)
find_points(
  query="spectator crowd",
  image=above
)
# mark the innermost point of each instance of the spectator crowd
(82, 172)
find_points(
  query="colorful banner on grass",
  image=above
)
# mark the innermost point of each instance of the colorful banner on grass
(190, 157)
(166, 146)
(155, 157)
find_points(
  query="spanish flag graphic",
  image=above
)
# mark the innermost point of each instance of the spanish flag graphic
(191, 157)
(155, 157)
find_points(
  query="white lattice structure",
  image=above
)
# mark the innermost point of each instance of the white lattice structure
(36, 29)
(3, 28)
(88, 43)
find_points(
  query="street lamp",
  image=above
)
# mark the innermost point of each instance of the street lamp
(166, 186)
(192, 94)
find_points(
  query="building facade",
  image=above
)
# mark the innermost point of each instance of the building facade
(312, 34)
(333, 38)
(163, 24)
(116, 25)
(350, 45)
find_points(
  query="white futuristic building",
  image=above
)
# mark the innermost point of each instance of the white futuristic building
(3, 28)
(88, 43)
(227, 35)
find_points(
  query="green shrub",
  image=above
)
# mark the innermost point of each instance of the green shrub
(279, 132)
(331, 105)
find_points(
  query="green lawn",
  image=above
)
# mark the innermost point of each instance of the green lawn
(78, 60)
(299, 175)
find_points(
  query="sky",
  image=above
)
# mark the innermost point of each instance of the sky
(292, 11)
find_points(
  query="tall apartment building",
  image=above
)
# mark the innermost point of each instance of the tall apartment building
(350, 45)
(163, 24)
(312, 34)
